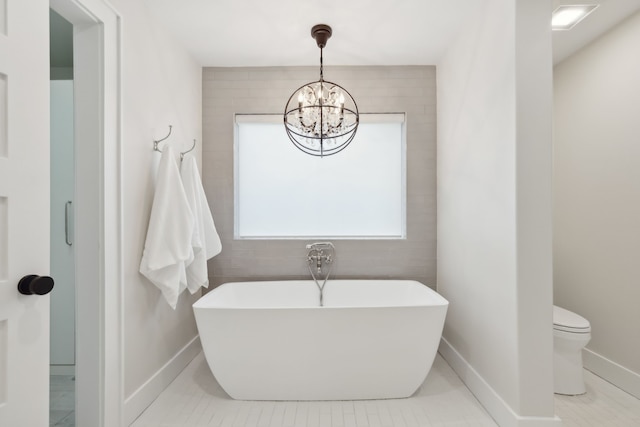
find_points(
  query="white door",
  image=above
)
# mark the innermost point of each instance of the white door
(24, 211)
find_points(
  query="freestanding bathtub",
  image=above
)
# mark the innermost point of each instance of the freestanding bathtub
(372, 339)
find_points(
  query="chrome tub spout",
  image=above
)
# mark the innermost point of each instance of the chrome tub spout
(320, 254)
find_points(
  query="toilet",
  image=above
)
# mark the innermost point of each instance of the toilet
(571, 332)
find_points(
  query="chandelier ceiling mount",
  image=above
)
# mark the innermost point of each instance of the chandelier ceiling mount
(321, 33)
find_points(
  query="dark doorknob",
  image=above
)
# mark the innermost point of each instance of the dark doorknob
(34, 284)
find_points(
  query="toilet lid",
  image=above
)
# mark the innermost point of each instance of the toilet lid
(565, 320)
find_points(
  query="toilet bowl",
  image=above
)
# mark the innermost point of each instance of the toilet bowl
(571, 332)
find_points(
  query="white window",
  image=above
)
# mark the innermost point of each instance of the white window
(281, 192)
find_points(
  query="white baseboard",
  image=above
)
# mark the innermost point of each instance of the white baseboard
(140, 399)
(501, 412)
(609, 370)
(62, 369)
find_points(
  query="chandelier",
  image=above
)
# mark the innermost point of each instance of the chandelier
(321, 118)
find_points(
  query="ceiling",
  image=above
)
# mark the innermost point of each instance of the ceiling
(277, 32)
(601, 20)
(228, 33)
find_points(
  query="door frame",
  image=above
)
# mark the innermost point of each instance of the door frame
(98, 229)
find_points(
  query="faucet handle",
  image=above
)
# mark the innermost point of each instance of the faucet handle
(317, 245)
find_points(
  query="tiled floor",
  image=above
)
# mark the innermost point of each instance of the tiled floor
(62, 401)
(196, 399)
(604, 405)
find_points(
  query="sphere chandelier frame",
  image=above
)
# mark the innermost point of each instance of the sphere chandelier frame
(321, 118)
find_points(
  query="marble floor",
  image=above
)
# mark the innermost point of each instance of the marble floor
(62, 401)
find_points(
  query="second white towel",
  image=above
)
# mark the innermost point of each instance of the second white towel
(205, 240)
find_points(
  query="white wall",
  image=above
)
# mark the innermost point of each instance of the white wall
(161, 85)
(494, 209)
(597, 198)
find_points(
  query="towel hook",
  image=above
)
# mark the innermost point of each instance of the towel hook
(190, 149)
(155, 143)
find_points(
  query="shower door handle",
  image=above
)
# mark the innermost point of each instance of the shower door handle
(66, 223)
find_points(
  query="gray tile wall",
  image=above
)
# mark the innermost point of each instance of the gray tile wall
(409, 89)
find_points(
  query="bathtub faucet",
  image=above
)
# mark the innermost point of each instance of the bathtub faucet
(319, 254)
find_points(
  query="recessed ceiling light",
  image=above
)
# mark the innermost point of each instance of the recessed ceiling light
(566, 17)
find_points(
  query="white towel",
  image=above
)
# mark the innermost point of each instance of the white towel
(167, 249)
(205, 240)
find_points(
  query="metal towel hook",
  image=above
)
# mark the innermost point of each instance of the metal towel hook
(190, 149)
(156, 142)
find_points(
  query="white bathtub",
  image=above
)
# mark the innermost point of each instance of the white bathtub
(373, 339)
